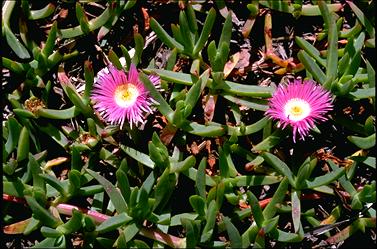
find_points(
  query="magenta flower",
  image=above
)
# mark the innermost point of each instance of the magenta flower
(120, 97)
(299, 105)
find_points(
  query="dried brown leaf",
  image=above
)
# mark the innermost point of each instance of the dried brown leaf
(248, 26)
(229, 66)
(167, 134)
(63, 13)
(209, 104)
(55, 162)
(194, 148)
(16, 228)
(146, 19)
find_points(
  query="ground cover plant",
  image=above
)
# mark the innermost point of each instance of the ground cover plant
(183, 124)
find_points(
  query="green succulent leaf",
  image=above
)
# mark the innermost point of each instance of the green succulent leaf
(164, 36)
(57, 135)
(234, 235)
(50, 232)
(56, 184)
(305, 171)
(59, 114)
(123, 184)
(74, 181)
(256, 209)
(371, 74)
(35, 170)
(73, 225)
(279, 195)
(113, 223)
(14, 188)
(113, 57)
(312, 66)
(200, 182)
(192, 228)
(15, 44)
(364, 93)
(199, 205)
(33, 225)
(279, 166)
(196, 89)
(191, 18)
(163, 106)
(362, 18)
(226, 32)
(255, 180)
(50, 42)
(41, 213)
(138, 156)
(81, 17)
(210, 221)
(282, 236)
(164, 189)
(325, 179)
(126, 56)
(183, 165)
(332, 50)
(23, 145)
(207, 27)
(114, 194)
(253, 103)
(14, 130)
(139, 46)
(184, 29)
(363, 142)
(296, 210)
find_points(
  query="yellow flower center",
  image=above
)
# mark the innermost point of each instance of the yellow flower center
(126, 95)
(297, 109)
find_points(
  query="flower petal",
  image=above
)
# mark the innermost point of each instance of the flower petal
(103, 94)
(308, 96)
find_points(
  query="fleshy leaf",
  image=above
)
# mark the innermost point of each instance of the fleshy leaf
(114, 194)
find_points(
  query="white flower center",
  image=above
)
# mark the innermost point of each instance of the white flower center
(296, 109)
(126, 95)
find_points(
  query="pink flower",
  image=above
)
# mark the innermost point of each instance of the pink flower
(119, 96)
(299, 105)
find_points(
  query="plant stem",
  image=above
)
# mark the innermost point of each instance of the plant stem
(167, 239)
